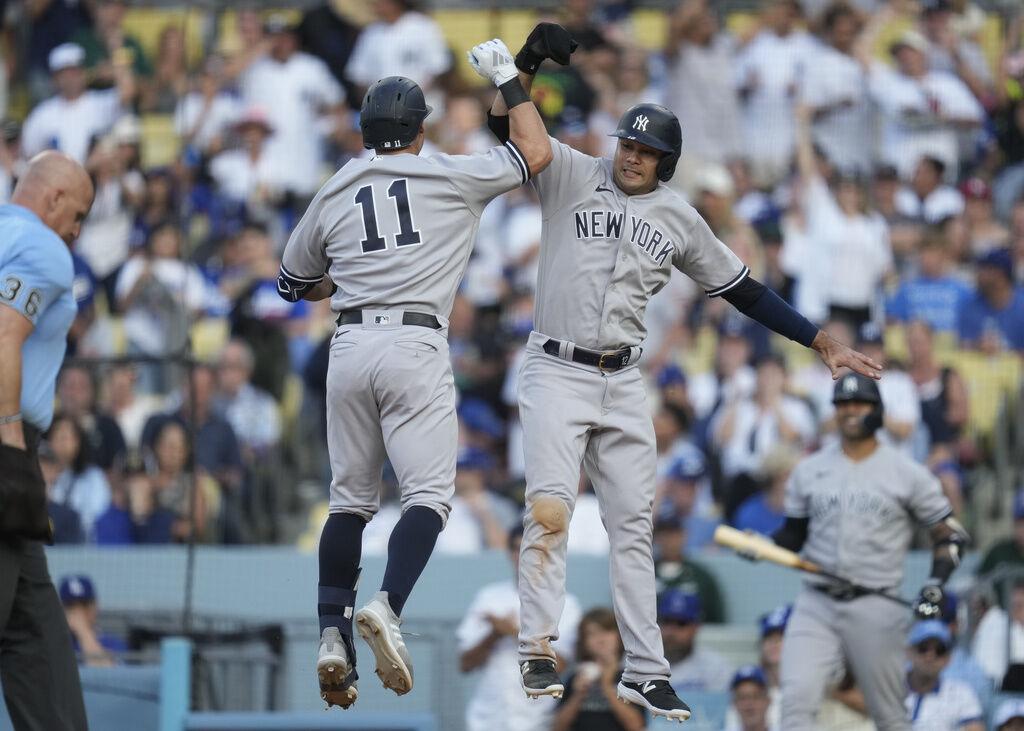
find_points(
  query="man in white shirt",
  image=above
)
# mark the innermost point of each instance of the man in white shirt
(835, 89)
(487, 642)
(402, 42)
(996, 653)
(922, 110)
(693, 667)
(1009, 716)
(927, 199)
(934, 704)
(303, 102)
(74, 116)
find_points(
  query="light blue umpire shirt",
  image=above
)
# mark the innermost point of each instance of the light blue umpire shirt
(36, 275)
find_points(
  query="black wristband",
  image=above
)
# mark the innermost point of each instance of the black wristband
(527, 61)
(513, 93)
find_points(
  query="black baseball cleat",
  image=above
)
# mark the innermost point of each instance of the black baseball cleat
(541, 678)
(656, 696)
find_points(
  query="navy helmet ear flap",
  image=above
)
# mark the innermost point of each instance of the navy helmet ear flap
(655, 126)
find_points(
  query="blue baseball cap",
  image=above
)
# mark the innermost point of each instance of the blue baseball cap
(930, 629)
(474, 458)
(671, 375)
(689, 464)
(775, 620)
(478, 415)
(679, 606)
(1000, 259)
(748, 674)
(76, 588)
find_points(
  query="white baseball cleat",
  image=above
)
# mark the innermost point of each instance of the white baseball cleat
(381, 629)
(335, 671)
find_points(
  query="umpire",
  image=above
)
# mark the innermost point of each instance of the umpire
(37, 663)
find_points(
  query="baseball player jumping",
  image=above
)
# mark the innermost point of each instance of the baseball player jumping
(388, 240)
(851, 508)
(612, 233)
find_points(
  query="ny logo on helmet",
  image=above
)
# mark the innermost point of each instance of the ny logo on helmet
(640, 123)
(850, 384)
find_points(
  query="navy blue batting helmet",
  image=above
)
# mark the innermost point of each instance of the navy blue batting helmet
(855, 387)
(393, 111)
(655, 126)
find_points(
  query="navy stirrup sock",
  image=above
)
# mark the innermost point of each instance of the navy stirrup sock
(409, 548)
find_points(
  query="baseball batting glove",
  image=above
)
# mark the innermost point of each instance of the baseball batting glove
(547, 40)
(492, 60)
(928, 604)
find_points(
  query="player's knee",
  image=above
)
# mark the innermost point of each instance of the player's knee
(550, 514)
(441, 507)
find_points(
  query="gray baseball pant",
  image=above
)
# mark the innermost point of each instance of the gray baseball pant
(391, 394)
(574, 414)
(823, 635)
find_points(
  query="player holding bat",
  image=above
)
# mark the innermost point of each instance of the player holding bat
(851, 510)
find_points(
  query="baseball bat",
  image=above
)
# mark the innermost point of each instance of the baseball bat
(761, 547)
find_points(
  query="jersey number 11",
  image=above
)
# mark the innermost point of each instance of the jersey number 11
(407, 235)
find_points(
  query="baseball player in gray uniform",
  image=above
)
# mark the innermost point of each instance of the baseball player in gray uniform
(388, 240)
(852, 508)
(612, 234)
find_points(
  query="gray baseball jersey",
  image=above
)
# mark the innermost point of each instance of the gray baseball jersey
(397, 230)
(862, 514)
(604, 253)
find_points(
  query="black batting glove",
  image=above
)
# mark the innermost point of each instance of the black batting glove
(928, 604)
(547, 40)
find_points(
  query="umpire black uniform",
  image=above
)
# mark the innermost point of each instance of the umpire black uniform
(37, 661)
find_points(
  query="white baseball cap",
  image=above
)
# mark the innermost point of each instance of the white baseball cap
(66, 55)
(1008, 710)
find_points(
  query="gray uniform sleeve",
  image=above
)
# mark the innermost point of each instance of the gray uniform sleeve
(708, 261)
(558, 183)
(796, 504)
(928, 504)
(304, 261)
(481, 178)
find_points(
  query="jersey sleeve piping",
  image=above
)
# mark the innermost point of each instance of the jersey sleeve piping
(297, 278)
(519, 160)
(718, 291)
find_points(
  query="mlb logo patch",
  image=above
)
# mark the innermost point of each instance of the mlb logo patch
(382, 319)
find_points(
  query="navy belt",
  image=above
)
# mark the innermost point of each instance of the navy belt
(603, 360)
(355, 317)
(844, 593)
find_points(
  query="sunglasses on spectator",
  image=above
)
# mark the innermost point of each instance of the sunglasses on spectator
(938, 648)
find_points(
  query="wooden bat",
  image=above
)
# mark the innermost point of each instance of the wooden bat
(758, 546)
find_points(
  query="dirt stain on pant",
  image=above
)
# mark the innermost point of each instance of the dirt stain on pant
(552, 515)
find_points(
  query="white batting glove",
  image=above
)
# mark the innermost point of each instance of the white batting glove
(492, 60)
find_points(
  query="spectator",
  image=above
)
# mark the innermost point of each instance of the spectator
(328, 34)
(107, 46)
(135, 515)
(962, 667)
(590, 699)
(749, 429)
(773, 628)
(251, 412)
(76, 394)
(922, 110)
(751, 701)
(1009, 715)
(130, 409)
(204, 115)
(700, 87)
(949, 705)
(81, 485)
(940, 389)
(934, 296)
(953, 53)
(479, 518)
(69, 120)
(694, 668)
(851, 254)
(731, 378)
(997, 307)
(170, 78)
(674, 393)
(767, 74)
(680, 494)
(65, 521)
(673, 569)
(249, 174)
(927, 199)
(998, 643)
(78, 595)
(300, 98)
(401, 42)
(159, 205)
(835, 91)
(487, 640)
(1008, 551)
(160, 295)
(904, 232)
(985, 232)
(764, 511)
(180, 483)
(49, 25)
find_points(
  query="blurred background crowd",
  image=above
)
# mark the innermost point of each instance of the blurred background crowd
(865, 158)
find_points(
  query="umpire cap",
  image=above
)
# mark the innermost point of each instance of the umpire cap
(393, 110)
(655, 126)
(855, 387)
